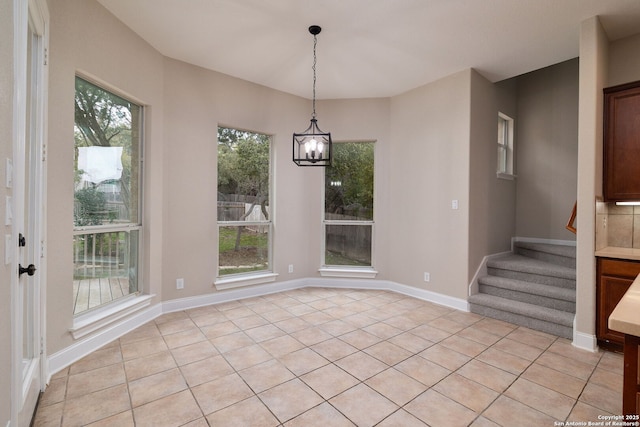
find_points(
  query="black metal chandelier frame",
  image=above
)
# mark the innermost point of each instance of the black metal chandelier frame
(313, 147)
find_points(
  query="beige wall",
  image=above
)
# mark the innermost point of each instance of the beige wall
(86, 39)
(624, 61)
(592, 77)
(196, 102)
(429, 167)
(546, 151)
(6, 136)
(492, 200)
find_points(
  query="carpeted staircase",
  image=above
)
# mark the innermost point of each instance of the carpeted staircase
(535, 286)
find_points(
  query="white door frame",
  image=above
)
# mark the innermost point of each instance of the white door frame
(28, 14)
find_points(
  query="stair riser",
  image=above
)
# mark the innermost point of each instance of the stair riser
(536, 324)
(534, 278)
(545, 256)
(540, 300)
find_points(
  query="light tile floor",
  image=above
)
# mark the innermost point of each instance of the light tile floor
(333, 357)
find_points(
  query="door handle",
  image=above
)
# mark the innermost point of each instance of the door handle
(30, 270)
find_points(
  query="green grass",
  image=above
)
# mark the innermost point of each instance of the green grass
(251, 256)
(248, 239)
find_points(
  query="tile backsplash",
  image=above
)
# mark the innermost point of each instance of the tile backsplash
(617, 226)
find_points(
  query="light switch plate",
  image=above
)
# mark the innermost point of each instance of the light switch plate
(8, 215)
(9, 174)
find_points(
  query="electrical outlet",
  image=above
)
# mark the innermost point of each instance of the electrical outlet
(179, 283)
(454, 204)
(290, 268)
(604, 222)
(427, 277)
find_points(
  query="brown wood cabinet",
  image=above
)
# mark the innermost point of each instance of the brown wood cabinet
(614, 276)
(621, 180)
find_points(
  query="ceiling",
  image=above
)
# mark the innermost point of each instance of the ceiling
(369, 48)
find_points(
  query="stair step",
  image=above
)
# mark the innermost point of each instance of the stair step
(533, 293)
(544, 319)
(564, 255)
(523, 268)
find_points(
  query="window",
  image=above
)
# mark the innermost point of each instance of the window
(244, 214)
(107, 194)
(505, 147)
(348, 206)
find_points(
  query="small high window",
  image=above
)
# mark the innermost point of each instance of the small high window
(505, 147)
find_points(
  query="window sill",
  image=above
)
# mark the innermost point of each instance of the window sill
(507, 176)
(241, 281)
(356, 273)
(86, 323)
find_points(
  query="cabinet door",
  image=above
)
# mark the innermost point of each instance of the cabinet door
(610, 292)
(621, 178)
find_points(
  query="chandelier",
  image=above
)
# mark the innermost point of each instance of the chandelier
(312, 147)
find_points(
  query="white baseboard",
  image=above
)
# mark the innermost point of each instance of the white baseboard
(423, 294)
(230, 295)
(585, 341)
(537, 240)
(482, 271)
(78, 350)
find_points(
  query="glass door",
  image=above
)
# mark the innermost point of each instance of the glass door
(28, 372)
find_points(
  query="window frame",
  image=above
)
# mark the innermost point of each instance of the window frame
(235, 280)
(349, 271)
(505, 167)
(92, 319)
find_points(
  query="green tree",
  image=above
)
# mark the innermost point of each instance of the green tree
(91, 207)
(349, 180)
(104, 119)
(243, 169)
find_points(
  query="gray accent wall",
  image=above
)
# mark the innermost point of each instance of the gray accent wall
(547, 151)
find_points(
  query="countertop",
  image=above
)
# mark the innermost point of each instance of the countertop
(625, 317)
(619, 253)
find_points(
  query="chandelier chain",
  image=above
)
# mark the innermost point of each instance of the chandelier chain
(315, 42)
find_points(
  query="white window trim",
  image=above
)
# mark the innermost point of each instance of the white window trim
(348, 272)
(507, 176)
(509, 147)
(244, 279)
(92, 320)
